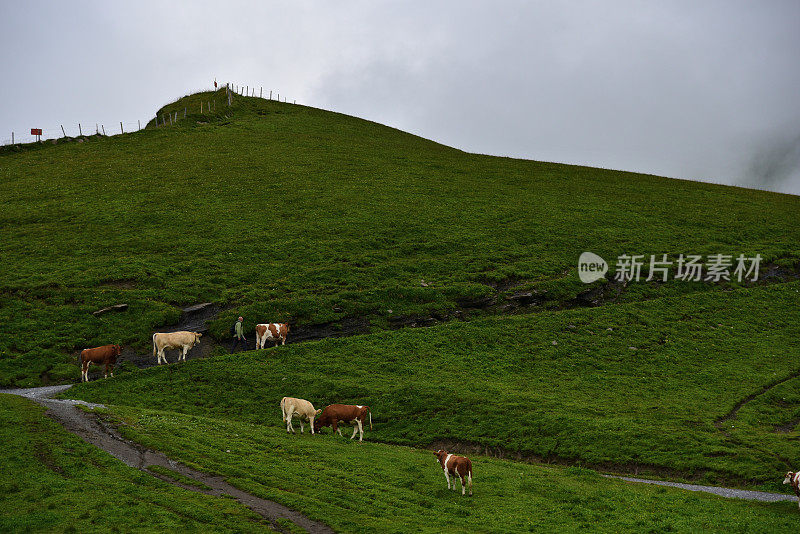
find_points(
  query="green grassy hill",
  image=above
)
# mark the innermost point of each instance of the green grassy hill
(283, 212)
(636, 387)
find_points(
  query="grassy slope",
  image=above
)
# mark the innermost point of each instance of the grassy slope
(372, 487)
(288, 212)
(502, 383)
(52, 481)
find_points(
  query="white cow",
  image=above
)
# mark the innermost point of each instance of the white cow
(303, 409)
(174, 340)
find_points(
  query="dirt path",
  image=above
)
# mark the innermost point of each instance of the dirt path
(716, 490)
(92, 430)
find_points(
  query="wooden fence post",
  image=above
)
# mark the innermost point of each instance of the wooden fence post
(12, 138)
(120, 127)
(97, 128)
(103, 126)
(80, 132)
(140, 123)
(270, 94)
(62, 130)
(261, 93)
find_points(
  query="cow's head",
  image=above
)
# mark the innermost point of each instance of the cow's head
(789, 477)
(441, 453)
(196, 338)
(317, 421)
(117, 350)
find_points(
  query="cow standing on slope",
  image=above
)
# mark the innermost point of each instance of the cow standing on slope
(105, 355)
(276, 332)
(174, 340)
(299, 407)
(458, 466)
(333, 414)
(793, 479)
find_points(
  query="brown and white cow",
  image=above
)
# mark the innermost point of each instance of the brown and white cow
(458, 466)
(299, 407)
(345, 413)
(793, 479)
(276, 332)
(105, 355)
(174, 340)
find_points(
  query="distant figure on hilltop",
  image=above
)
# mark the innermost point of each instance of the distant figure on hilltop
(215, 84)
(238, 335)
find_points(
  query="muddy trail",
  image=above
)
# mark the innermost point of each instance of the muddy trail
(509, 298)
(92, 429)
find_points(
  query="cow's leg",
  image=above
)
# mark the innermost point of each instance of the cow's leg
(469, 481)
(336, 427)
(289, 427)
(301, 424)
(463, 486)
(84, 372)
(447, 477)
(105, 372)
(358, 428)
(311, 422)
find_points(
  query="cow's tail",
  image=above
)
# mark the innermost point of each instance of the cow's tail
(154, 346)
(283, 408)
(370, 418)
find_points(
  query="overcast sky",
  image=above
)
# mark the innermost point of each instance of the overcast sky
(703, 90)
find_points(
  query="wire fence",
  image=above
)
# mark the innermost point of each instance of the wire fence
(16, 137)
(58, 131)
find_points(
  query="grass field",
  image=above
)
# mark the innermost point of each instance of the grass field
(633, 387)
(52, 481)
(369, 487)
(283, 212)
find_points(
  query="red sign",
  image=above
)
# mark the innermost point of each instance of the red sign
(36, 131)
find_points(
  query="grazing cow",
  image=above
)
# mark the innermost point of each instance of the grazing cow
(276, 332)
(174, 340)
(299, 407)
(458, 466)
(105, 355)
(794, 480)
(346, 413)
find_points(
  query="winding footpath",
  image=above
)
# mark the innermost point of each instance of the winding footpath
(92, 430)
